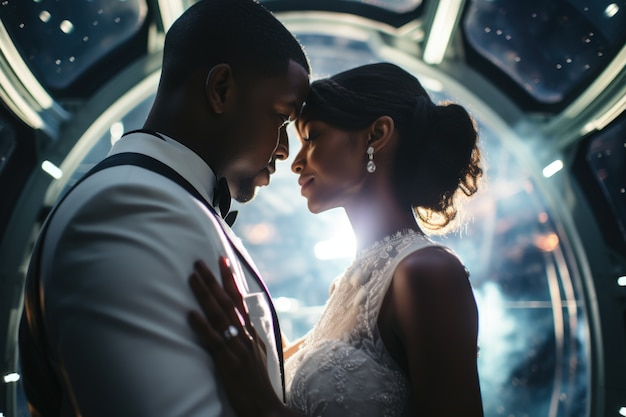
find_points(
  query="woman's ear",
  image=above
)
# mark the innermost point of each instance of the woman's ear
(381, 131)
(219, 87)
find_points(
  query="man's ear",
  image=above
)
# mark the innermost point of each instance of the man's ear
(219, 87)
(380, 132)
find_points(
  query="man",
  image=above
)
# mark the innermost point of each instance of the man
(105, 331)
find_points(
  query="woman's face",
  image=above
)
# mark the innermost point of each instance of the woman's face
(330, 164)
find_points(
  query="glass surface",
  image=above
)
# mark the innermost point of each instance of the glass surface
(61, 40)
(549, 48)
(7, 143)
(533, 330)
(606, 156)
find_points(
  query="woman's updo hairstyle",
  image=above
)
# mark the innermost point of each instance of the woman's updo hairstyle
(437, 158)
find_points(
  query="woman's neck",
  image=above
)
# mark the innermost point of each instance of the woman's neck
(376, 218)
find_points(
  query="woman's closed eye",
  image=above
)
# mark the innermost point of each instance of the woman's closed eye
(310, 137)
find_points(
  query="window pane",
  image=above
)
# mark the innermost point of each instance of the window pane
(549, 48)
(61, 40)
(606, 156)
(7, 143)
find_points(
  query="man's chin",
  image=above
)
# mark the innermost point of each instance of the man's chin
(247, 189)
(245, 196)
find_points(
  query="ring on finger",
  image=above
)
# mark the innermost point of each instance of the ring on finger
(230, 332)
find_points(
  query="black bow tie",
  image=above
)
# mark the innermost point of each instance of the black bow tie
(221, 199)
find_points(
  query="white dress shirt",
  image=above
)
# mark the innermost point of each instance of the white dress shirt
(116, 262)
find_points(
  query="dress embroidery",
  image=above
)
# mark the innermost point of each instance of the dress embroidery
(343, 368)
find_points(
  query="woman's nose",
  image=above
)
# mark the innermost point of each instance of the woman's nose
(298, 163)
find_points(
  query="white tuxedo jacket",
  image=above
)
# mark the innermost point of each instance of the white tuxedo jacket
(115, 265)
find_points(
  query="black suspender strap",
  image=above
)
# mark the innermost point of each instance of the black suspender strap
(151, 164)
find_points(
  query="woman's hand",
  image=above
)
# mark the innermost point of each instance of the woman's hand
(238, 352)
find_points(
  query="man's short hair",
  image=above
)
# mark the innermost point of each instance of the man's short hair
(240, 33)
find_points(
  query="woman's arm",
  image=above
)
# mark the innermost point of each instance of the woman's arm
(239, 355)
(435, 319)
(291, 348)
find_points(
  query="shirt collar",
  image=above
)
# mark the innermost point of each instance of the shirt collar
(174, 154)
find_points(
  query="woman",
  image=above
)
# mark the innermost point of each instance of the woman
(398, 335)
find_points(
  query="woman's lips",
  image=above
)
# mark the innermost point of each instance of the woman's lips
(304, 183)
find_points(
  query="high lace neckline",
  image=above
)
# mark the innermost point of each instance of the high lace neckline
(387, 240)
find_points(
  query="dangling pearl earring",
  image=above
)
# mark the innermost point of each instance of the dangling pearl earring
(371, 166)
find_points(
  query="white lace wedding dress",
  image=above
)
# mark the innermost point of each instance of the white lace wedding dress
(343, 368)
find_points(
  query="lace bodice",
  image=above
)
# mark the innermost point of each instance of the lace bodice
(343, 367)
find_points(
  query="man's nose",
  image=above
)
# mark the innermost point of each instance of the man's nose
(282, 150)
